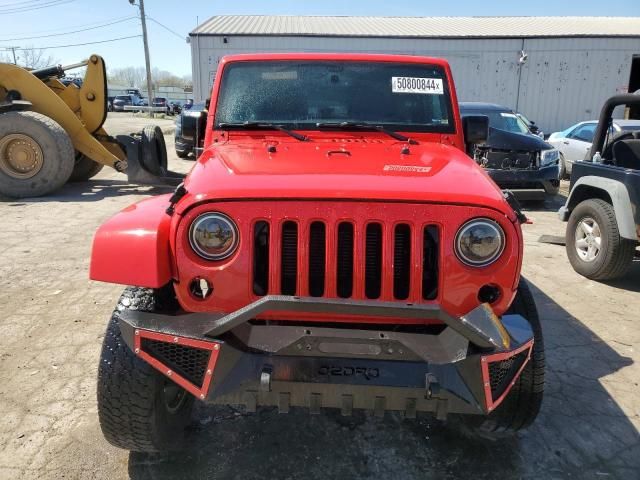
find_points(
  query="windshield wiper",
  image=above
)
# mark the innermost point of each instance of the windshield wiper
(263, 125)
(366, 126)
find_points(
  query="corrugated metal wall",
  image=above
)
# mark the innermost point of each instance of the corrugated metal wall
(565, 80)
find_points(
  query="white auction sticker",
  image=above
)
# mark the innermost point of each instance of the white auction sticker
(431, 86)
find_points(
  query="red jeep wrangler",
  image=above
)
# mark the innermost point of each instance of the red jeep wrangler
(333, 247)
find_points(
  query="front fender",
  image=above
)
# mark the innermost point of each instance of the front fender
(620, 200)
(132, 247)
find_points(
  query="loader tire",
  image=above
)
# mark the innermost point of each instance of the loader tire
(84, 168)
(36, 155)
(154, 150)
(522, 404)
(139, 409)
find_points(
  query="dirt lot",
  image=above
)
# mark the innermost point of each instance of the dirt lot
(53, 319)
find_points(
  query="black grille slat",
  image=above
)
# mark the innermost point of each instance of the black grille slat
(430, 262)
(501, 373)
(401, 261)
(289, 258)
(261, 258)
(188, 362)
(344, 269)
(373, 261)
(317, 258)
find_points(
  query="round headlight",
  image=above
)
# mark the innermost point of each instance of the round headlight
(479, 242)
(213, 236)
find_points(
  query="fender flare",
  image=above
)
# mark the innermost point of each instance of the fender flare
(132, 247)
(620, 200)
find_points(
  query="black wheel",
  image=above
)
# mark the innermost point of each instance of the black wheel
(36, 154)
(552, 187)
(139, 409)
(84, 168)
(154, 150)
(594, 245)
(522, 404)
(182, 153)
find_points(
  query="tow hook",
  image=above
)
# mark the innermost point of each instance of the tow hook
(265, 379)
(432, 386)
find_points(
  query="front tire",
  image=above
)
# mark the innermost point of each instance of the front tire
(139, 409)
(521, 406)
(36, 155)
(563, 168)
(552, 187)
(594, 245)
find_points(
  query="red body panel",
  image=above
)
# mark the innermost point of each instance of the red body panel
(132, 248)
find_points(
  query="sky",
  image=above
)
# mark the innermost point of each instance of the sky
(53, 20)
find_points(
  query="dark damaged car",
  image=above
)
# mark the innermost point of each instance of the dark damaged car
(515, 157)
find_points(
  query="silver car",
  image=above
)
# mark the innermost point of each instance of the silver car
(574, 143)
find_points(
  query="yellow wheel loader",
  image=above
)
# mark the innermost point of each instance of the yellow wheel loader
(51, 133)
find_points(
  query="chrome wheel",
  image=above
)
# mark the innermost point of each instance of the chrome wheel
(20, 156)
(588, 239)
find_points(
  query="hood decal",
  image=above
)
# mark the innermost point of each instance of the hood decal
(406, 168)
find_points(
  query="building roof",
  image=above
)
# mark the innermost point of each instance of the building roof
(429, 27)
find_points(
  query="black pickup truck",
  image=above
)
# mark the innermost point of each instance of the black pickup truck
(190, 128)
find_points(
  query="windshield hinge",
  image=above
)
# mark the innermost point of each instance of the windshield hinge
(179, 192)
(515, 205)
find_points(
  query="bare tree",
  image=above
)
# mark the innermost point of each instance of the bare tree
(128, 76)
(31, 57)
(163, 78)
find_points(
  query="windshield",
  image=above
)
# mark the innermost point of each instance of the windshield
(630, 128)
(507, 121)
(300, 94)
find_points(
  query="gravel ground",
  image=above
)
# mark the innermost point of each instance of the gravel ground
(54, 319)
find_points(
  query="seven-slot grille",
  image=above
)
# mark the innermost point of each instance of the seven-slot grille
(346, 260)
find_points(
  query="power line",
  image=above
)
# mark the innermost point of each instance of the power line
(64, 29)
(67, 33)
(73, 45)
(17, 4)
(182, 37)
(30, 8)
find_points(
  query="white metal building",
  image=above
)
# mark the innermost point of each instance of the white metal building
(555, 70)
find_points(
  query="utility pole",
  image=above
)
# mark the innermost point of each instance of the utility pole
(13, 50)
(146, 51)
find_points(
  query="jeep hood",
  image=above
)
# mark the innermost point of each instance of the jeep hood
(374, 170)
(522, 142)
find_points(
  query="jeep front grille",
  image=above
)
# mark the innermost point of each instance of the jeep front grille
(289, 258)
(373, 260)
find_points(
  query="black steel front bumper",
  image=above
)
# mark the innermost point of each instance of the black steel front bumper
(542, 180)
(464, 365)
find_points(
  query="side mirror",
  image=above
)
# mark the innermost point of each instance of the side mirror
(475, 129)
(534, 128)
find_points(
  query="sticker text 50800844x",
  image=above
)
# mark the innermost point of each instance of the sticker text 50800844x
(431, 86)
